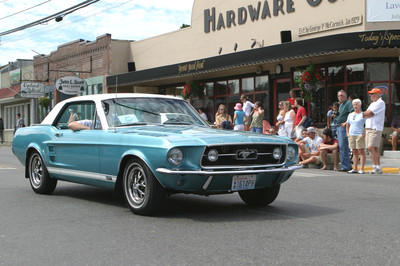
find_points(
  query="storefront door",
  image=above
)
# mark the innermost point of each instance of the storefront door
(281, 88)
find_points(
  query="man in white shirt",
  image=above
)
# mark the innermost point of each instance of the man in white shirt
(311, 152)
(247, 107)
(375, 118)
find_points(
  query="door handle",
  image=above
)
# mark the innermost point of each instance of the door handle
(58, 135)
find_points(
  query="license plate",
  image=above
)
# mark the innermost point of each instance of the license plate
(243, 182)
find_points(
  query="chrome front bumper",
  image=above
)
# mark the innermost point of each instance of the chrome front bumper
(228, 172)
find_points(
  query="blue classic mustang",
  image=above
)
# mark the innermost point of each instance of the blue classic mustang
(147, 147)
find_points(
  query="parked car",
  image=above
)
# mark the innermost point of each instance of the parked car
(150, 146)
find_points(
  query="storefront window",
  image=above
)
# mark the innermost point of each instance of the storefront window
(332, 94)
(221, 87)
(317, 107)
(248, 84)
(355, 72)
(210, 89)
(262, 83)
(357, 92)
(233, 86)
(395, 99)
(395, 75)
(335, 75)
(377, 71)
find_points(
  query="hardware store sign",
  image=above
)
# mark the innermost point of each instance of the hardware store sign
(71, 85)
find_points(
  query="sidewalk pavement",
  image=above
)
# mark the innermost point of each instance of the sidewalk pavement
(390, 164)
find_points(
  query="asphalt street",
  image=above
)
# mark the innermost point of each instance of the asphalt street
(319, 218)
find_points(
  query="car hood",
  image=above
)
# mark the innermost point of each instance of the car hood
(196, 135)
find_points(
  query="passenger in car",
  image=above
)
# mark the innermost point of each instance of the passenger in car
(81, 125)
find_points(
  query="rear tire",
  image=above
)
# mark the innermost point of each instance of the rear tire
(142, 192)
(39, 177)
(260, 197)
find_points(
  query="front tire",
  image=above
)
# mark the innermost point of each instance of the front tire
(142, 191)
(258, 197)
(39, 177)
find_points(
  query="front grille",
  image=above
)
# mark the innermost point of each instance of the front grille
(243, 155)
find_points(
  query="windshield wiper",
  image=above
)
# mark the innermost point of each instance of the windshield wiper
(133, 124)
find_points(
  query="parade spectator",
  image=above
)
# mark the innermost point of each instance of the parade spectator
(272, 131)
(329, 146)
(331, 118)
(247, 108)
(299, 141)
(292, 99)
(257, 119)
(266, 126)
(280, 124)
(300, 116)
(290, 117)
(355, 132)
(222, 116)
(375, 117)
(395, 126)
(311, 153)
(239, 117)
(202, 112)
(345, 109)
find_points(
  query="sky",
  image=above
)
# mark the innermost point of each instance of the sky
(123, 19)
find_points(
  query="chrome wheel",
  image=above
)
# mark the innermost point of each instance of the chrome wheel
(136, 185)
(39, 177)
(36, 171)
(142, 191)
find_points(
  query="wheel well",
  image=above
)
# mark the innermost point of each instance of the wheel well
(118, 183)
(28, 155)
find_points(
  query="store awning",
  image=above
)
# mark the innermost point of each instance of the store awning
(9, 93)
(322, 46)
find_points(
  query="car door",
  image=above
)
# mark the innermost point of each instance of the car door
(73, 155)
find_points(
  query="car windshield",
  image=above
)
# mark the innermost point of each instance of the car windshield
(122, 112)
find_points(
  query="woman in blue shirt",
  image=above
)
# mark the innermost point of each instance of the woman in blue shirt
(355, 132)
(239, 117)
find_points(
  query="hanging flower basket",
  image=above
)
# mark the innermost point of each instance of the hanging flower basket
(193, 89)
(310, 81)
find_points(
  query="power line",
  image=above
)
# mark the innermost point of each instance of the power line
(56, 15)
(24, 10)
(57, 26)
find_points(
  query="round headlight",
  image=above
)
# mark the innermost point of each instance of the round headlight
(175, 156)
(212, 155)
(277, 153)
(291, 153)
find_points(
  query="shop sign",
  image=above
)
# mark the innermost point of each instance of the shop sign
(214, 21)
(383, 11)
(331, 25)
(32, 90)
(71, 85)
(191, 67)
(15, 76)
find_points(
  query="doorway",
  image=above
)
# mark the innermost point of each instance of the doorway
(281, 88)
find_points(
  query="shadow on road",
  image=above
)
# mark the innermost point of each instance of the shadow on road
(217, 208)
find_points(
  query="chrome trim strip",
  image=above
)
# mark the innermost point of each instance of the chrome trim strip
(83, 174)
(208, 182)
(243, 166)
(231, 172)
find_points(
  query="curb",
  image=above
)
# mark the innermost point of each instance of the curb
(386, 170)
